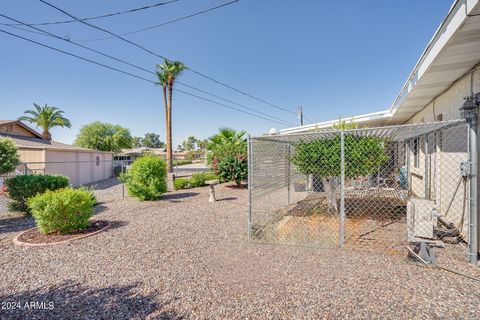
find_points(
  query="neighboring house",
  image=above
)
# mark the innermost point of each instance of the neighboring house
(132, 154)
(45, 156)
(435, 90)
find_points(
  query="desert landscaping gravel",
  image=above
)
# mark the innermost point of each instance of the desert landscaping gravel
(182, 257)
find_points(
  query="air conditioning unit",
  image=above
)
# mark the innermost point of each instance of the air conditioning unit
(421, 218)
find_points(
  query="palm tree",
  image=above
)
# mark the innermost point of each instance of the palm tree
(167, 73)
(46, 117)
(226, 136)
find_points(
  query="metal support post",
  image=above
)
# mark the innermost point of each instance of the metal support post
(473, 191)
(341, 236)
(288, 175)
(427, 167)
(250, 187)
(407, 150)
(469, 111)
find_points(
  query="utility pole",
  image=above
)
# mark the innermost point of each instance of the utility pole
(300, 115)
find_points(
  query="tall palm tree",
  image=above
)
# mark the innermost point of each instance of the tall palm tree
(167, 73)
(46, 117)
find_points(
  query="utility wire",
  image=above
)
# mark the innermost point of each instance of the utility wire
(236, 103)
(95, 17)
(132, 75)
(166, 22)
(44, 32)
(76, 56)
(165, 58)
(224, 105)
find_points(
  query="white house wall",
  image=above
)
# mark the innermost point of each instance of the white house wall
(80, 167)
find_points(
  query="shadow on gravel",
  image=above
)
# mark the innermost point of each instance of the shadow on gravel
(178, 196)
(75, 301)
(227, 199)
(15, 224)
(118, 224)
(99, 208)
(104, 184)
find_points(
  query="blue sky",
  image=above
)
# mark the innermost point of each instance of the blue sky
(335, 60)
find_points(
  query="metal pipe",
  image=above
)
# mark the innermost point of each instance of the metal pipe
(341, 236)
(288, 175)
(427, 168)
(473, 227)
(250, 187)
(407, 150)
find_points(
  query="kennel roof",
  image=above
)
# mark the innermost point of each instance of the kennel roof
(393, 133)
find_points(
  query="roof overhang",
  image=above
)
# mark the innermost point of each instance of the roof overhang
(374, 119)
(453, 52)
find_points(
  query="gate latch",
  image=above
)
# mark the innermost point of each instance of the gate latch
(465, 169)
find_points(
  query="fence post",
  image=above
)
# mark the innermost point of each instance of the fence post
(341, 236)
(250, 187)
(472, 126)
(123, 183)
(288, 174)
(427, 168)
(25, 168)
(407, 162)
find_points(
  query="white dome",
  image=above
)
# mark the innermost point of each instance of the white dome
(272, 132)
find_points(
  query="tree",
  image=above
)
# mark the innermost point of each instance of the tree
(226, 136)
(46, 117)
(322, 159)
(190, 144)
(104, 136)
(152, 140)
(137, 142)
(167, 73)
(228, 155)
(8, 156)
(202, 144)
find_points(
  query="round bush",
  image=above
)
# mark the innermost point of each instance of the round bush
(147, 178)
(64, 210)
(8, 156)
(22, 187)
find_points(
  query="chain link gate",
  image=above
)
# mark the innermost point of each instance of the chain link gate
(375, 189)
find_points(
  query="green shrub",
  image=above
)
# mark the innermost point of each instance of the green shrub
(233, 167)
(181, 162)
(197, 180)
(8, 156)
(64, 211)
(181, 183)
(22, 187)
(147, 178)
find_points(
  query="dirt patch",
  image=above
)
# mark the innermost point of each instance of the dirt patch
(33, 237)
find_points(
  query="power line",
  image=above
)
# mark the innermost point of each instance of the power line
(224, 105)
(95, 17)
(165, 58)
(75, 55)
(132, 75)
(44, 32)
(238, 104)
(166, 22)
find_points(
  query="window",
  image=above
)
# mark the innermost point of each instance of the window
(416, 153)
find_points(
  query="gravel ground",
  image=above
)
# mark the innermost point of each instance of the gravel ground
(183, 257)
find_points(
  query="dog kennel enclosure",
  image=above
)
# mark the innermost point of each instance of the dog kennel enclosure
(375, 189)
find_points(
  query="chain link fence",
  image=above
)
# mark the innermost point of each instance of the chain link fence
(102, 176)
(374, 189)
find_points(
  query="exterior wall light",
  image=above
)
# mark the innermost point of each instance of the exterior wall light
(469, 109)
